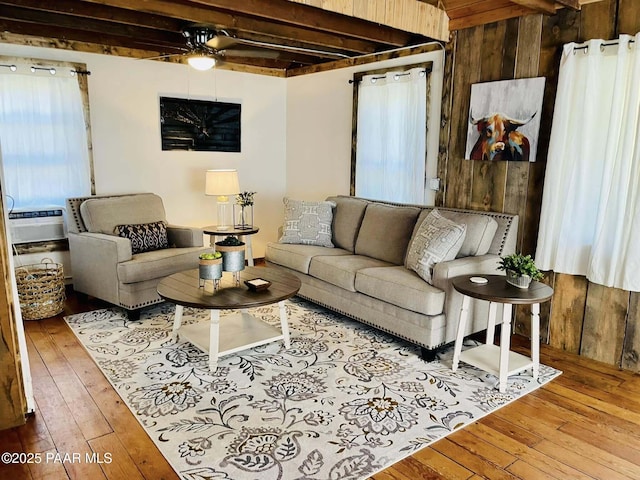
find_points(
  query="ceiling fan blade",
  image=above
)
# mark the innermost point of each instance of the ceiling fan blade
(163, 56)
(249, 53)
(221, 42)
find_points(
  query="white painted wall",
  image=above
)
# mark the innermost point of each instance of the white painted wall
(319, 119)
(124, 101)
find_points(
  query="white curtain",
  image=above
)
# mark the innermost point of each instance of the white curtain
(391, 143)
(590, 219)
(43, 137)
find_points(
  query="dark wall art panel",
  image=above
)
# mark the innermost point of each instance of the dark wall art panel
(199, 125)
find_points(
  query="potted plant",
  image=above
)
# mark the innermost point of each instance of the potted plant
(210, 268)
(244, 200)
(232, 250)
(520, 269)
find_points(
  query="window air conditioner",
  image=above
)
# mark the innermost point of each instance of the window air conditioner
(37, 224)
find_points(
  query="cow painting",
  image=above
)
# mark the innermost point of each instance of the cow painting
(499, 139)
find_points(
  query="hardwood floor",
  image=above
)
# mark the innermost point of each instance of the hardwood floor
(583, 425)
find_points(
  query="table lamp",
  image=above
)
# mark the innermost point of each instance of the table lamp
(222, 183)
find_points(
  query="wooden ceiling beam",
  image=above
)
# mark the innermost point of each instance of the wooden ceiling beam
(490, 16)
(68, 26)
(408, 15)
(59, 37)
(84, 10)
(286, 12)
(548, 7)
(573, 4)
(195, 14)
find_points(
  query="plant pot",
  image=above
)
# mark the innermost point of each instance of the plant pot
(232, 257)
(517, 280)
(210, 269)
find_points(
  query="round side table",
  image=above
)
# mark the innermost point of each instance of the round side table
(244, 235)
(499, 360)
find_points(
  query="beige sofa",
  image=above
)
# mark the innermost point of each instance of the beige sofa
(364, 276)
(103, 264)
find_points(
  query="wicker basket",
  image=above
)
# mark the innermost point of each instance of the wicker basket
(40, 289)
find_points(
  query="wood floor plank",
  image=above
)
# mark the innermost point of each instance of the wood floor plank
(115, 460)
(602, 422)
(412, 468)
(88, 418)
(526, 471)
(527, 453)
(49, 468)
(586, 460)
(445, 466)
(482, 448)
(475, 463)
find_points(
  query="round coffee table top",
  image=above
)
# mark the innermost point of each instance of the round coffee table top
(498, 290)
(183, 289)
(214, 230)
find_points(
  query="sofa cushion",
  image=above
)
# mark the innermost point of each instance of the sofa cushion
(385, 232)
(341, 270)
(144, 237)
(347, 218)
(158, 264)
(297, 257)
(437, 240)
(102, 215)
(402, 288)
(481, 229)
(307, 223)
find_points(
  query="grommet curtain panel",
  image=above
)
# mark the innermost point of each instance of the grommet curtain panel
(391, 143)
(44, 141)
(590, 218)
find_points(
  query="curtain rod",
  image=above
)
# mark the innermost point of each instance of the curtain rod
(602, 45)
(51, 70)
(395, 76)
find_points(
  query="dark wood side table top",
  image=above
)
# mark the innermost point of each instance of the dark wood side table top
(182, 288)
(213, 230)
(498, 290)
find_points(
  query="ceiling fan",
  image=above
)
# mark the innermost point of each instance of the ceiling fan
(208, 46)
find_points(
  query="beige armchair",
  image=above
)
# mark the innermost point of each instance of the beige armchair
(104, 265)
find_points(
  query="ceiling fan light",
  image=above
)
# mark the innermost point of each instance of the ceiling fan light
(201, 62)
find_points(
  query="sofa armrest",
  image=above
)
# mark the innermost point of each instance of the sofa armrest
(94, 261)
(184, 236)
(443, 272)
(482, 264)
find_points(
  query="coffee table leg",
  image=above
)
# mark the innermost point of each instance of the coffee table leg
(214, 337)
(284, 324)
(505, 341)
(177, 321)
(462, 324)
(535, 338)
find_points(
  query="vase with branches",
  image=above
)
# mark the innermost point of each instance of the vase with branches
(244, 201)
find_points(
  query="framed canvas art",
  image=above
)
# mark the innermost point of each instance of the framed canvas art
(504, 120)
(199, 125)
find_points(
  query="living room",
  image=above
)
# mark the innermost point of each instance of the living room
(296, 141)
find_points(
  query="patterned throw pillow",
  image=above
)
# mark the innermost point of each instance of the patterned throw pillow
(307, 223)
(145, 237)
(437, 240)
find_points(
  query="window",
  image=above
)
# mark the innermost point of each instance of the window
(389, 160)
(43, 134)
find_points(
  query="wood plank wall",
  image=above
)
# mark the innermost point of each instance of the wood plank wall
(12, 399)
(585, 318)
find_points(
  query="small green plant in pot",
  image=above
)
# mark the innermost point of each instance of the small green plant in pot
(520, 269)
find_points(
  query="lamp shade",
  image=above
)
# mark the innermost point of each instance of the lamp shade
(201, 62)
(222, 182)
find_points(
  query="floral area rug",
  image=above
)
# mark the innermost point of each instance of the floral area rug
(344, 402)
